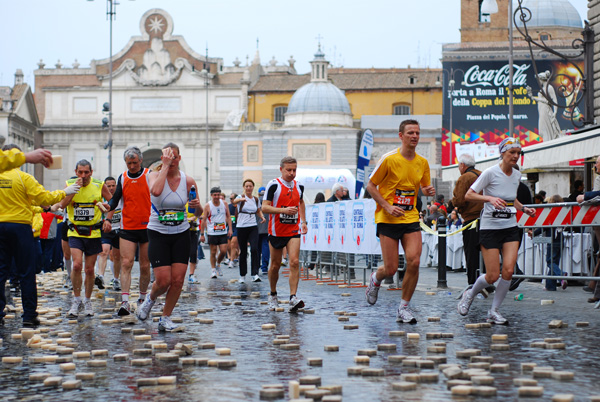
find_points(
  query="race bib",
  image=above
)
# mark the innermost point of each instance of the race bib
(170, 217)
(505, 213)
(83, 212)
(219, 227)
(116, 218)
(404, 199)
(288, 219)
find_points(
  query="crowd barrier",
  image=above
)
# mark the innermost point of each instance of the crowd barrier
(341, 241)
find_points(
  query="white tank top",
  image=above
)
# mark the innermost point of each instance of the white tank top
(216, 223)
(115, 222)
(169, 215)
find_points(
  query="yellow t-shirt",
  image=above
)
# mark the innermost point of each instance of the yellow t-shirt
(82, 210)
(398, 181)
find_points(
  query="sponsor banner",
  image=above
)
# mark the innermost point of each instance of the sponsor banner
(364, 156)
(345, 227)
(479, 104)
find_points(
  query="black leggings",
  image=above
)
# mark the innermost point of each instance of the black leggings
(245, 235)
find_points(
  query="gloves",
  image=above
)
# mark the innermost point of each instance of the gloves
(72, 189)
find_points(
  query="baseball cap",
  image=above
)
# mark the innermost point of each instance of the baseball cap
(261, 190)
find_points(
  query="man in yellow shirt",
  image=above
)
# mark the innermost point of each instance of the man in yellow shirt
(13, 158)
(394, 185)
(18, 191)
(85, 222)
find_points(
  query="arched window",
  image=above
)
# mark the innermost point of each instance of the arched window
(279, 112)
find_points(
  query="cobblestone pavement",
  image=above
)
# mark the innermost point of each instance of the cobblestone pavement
(221, 313)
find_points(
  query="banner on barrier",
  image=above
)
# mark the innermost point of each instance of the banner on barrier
(345, 227)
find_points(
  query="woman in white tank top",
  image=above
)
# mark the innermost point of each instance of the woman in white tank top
(169, 240)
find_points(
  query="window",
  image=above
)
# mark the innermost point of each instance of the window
(279, 113)
(544, 36)
(412, 79)
(401, 110)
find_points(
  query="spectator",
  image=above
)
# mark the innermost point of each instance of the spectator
(48, 239)
(319, 198)
(338, 193)
(454, 219)
(440, 204)
(346, 194)
(538, 199)
(553, 251)
(577, 190)
(470, 212)
(434, 215)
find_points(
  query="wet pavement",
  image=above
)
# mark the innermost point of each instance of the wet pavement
(230, 315)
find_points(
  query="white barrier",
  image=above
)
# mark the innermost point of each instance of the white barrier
(343, 227)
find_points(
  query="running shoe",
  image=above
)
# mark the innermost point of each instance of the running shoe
(143, 310)
(372, 290)
(242, 279)
(256, 278)
(68, 283)
(236, 263)
(117, 285)
(213, 273)
(564, 283)
(405, 315)
(284, 262)
(230, 265)
(273, 302)
(465, 302)
(76, 307)
(295, 304)
(87, 308)
(125, 309)
(597, 305)
(192, 279)
(496, 318)
(219, 271)
(226, 261)
(165, 324)
(99, 281)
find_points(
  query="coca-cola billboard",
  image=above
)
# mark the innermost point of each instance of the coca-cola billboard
(479, 103)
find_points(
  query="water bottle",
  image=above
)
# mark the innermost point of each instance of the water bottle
(191, 197)
(519, 297)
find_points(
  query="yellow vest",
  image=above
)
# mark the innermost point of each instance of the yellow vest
(82, 210)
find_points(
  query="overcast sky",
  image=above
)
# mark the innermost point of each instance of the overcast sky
(355, 33)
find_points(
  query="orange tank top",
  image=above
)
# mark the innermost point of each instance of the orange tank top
(136, 202)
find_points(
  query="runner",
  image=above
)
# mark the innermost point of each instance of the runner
(394, 185)
(111, 184)
(134, 192)
(85, 222)
(248, 209)
(17, 192)
(169, 249)
(194, 237)
(215, 221)
(498, 229)
(233, 246)
(285, 204)
(110, 236)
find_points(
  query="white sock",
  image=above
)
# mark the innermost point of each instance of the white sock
(374, 276)
(86, 299)
(77, 299)
(500, 294)
(479, 285)
(404, 303)
(125, 297)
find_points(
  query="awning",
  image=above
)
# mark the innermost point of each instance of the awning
(584, 143)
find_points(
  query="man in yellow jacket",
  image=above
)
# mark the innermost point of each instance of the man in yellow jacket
(18, 191)
(13, 158)
(85, 222)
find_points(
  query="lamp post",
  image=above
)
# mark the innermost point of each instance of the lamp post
(207, 77)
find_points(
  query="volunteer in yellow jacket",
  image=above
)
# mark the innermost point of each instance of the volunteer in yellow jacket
(85, 222)
(394, 185)
(18, 190)
(13, 158)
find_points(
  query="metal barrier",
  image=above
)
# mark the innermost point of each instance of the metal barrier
(561, 235)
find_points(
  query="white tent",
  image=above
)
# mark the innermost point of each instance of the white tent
(580, 145)
(315, 180)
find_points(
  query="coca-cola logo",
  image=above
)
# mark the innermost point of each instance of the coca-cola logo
(496, 77)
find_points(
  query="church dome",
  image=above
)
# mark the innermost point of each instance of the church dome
(551, 13)
(318, 97)
(318, 103)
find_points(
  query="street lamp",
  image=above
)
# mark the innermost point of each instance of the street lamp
(111, 14)
(207, 77)
(491, 7)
